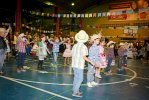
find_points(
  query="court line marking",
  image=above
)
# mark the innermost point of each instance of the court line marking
(59, 93)
(64, 84)
(36, 88)
(86, 73)
(136, 77)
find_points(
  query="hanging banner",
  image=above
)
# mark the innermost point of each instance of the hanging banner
(133, 10)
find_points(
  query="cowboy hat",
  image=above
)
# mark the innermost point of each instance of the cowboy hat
(121, 44)
(81, 36)
(95, 36)
(110, 42)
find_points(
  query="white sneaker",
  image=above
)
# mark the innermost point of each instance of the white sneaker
(94, 83)
(89, 84)
(98, 76)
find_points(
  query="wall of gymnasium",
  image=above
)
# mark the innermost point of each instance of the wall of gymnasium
(101, 21)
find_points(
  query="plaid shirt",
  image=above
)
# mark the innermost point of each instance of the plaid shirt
(121, 51)
(21, 46)
(110, 53)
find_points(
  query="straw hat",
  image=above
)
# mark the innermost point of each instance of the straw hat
(81, 36)
(121, 44)
(94, 36)
(110, 42)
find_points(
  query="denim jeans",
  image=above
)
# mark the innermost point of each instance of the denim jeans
(109, 65)
(2, 58)
(21, 57)
(78, 78)
(55, 55)
(125, 59)
(120, 62)
(90, 73)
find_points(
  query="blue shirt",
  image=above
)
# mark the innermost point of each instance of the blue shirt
(55, 45)
(94, 53)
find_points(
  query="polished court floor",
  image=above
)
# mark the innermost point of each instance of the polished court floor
(55, 82)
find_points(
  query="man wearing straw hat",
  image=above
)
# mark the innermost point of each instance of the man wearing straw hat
(79, 53)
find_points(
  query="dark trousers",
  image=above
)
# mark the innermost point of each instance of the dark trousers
(108, 68)
(125, 60)
(120, 62)
(21, 57)
(40, 64)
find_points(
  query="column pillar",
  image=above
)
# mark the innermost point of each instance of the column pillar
(18, 16)
(58, 23)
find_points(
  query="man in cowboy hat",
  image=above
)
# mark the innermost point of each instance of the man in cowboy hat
(79, 53)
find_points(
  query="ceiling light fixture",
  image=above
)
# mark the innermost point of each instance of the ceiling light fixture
(72, 4)
(49, 3)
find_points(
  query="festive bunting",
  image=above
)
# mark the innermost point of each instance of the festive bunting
(82, 15)
(124, 12)
(118, 13)
(64, 15)
(129, 11)
(74, 15)
(88, 15)
(94, 14)
(79, 15)
(142, 10)
(135, 11)
(67, 15)
(58, 15)
(71, 15)
(108, 13)
(53, 15)
(104, 14)
(48, 14)
(42, 14)
(99, 14)
(113, 13)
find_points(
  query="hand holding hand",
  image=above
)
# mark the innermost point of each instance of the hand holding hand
(93, 63)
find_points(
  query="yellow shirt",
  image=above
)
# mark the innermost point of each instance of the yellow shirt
(15, 40)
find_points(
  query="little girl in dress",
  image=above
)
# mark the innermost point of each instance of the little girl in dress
(67, 52)
(42, 51)
(34, 49)
(102, 59)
